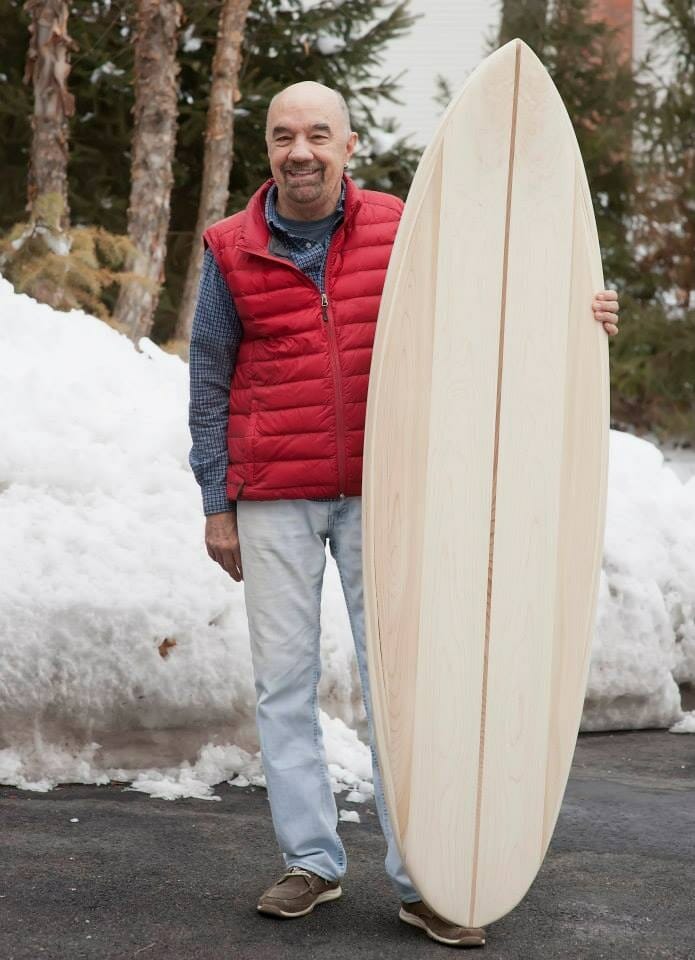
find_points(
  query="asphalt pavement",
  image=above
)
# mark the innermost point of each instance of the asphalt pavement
(178, 880)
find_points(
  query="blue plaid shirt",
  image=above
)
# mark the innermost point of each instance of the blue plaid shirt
(215, 338)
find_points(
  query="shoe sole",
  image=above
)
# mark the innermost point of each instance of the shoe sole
(322, 898)
(418, 922)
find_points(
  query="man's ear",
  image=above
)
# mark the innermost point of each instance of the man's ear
(352, 143)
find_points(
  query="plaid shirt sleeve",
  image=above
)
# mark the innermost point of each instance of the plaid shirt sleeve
(215, 339)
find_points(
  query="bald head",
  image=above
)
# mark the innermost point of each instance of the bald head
(310, 93)
(309, 145)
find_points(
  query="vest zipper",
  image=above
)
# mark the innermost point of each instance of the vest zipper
(333, 350)
(340, 424)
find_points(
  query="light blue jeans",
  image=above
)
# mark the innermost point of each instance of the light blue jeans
(283, 555)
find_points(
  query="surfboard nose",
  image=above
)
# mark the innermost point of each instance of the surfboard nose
(520, 47)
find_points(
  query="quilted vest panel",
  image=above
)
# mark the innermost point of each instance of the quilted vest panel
(298, 396)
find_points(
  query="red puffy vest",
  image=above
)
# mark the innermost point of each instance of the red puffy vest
(299, 391)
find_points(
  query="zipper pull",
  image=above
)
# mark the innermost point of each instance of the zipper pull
(324, 307)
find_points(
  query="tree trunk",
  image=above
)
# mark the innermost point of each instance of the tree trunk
(154, 137)
(47, 68)
(219, 148)
(524, 19)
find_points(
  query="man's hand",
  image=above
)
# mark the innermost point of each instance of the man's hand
(222, 542)
(605, 307)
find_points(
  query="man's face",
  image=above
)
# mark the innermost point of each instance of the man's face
(308, 147)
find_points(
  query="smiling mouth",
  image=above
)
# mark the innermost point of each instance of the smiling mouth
(300, 174)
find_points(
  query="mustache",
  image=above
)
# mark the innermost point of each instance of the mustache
(292, 168)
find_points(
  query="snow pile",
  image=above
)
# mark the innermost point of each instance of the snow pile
(123, 646)
(686, 724)
(645, 633)
(125, 649)
(349, 816)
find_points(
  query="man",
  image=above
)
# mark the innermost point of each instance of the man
(279, 362)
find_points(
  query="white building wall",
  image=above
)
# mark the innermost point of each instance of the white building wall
(449, 39)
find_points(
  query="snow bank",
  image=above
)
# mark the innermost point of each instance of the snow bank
(125, 649)
(645, 634)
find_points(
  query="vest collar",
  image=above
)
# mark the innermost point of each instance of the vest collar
(255, 231)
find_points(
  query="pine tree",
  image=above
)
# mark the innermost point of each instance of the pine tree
(525, 19)
(652, 360)
(16, 108)
(665, 151)
(154, 135)
(47, 69)
(219, 146)
(44, 256)
(587, 64)
(585, 61)
(340, 44)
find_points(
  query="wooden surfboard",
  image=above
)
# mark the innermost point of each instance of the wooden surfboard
(484, 487)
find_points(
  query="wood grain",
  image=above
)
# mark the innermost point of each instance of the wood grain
(484, 490)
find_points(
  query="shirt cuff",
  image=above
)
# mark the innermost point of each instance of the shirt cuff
(215, 499)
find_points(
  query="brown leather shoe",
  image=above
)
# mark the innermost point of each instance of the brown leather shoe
(296, 893)
(419, 915)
